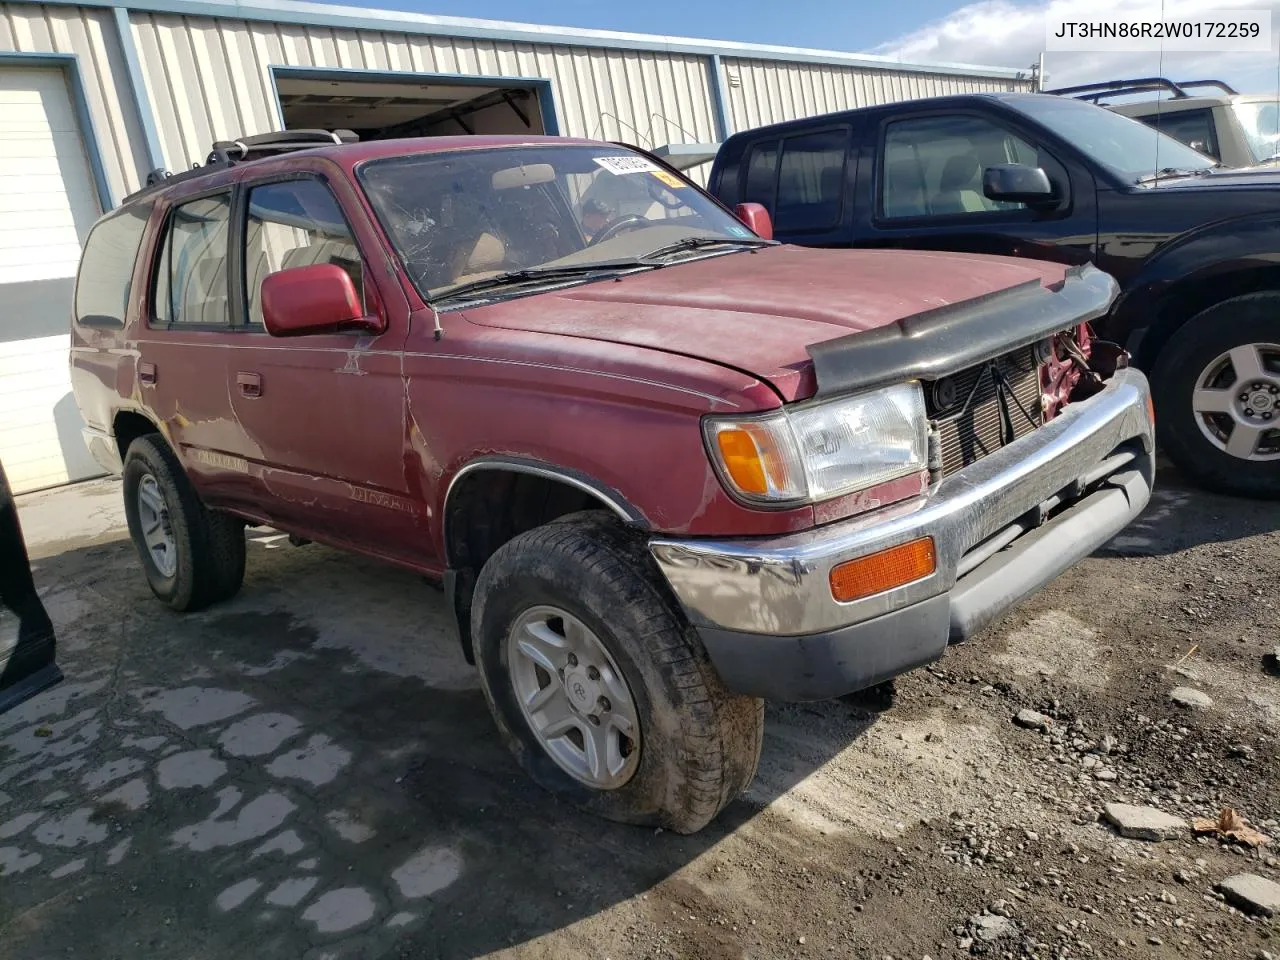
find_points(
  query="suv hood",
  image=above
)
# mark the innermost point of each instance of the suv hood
(757, 312)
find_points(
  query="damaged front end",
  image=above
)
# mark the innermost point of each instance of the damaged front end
(993, 369)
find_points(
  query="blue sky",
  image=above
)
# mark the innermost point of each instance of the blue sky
(997, 32)
(802, 23)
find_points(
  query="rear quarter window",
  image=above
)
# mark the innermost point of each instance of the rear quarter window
(105, 278)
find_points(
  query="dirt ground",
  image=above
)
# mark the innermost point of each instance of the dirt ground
(310, 771)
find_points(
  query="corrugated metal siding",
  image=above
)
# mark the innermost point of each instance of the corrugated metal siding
(763, 92)
(90, 34)
(209, 79)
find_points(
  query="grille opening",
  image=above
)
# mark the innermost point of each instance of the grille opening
(988, 406)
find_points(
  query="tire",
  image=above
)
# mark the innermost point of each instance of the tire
(208, 547)
(699, 744)
(1189, 360)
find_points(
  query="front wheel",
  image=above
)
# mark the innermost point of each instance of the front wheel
(1217, 396)
(600, 688)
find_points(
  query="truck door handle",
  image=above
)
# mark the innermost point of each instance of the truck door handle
(250, 384)
(146, 372)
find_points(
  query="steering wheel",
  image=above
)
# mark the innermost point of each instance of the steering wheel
(617, 225)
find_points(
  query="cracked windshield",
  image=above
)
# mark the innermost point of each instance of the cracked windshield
(460, 218)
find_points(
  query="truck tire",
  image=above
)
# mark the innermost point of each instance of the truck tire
(192, 556)
(1216, 386)
(672, 746)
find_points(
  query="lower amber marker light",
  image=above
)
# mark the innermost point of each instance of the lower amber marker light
(884, 570)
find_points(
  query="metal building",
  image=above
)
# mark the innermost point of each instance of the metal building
(94, 94)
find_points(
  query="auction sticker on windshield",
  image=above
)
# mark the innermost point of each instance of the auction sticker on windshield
(627, 164)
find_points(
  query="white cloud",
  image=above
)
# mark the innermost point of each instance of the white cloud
(1004, 33)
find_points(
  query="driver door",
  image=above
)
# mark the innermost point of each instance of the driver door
(926, 191)
(323, 415)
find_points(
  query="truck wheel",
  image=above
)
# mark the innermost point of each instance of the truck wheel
(599, 686)
(192, 556)
(1217, 394)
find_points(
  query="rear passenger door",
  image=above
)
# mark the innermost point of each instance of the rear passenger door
(803, 180)
(182, 347)
(924, 190)
(323, 415)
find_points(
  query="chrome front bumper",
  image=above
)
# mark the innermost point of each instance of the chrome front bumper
(1002, 528)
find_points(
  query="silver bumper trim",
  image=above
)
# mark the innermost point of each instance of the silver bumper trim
(779, 586)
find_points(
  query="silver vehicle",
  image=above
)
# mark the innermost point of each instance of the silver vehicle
(1237, 129)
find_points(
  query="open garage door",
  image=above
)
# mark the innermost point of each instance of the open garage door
(385, 107)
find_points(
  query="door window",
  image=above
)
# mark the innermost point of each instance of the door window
(932, 166)
(811, 178)
(191, 282)
(296, 223)
(761, 178)
(1192, 127)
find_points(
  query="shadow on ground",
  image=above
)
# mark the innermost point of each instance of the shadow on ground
(310, 767)
(1181, 516)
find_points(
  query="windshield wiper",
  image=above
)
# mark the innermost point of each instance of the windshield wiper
(532, 274)
(1169, 173)
(694, 243)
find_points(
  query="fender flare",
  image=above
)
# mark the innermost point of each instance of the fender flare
(1220, 248)
(619, 505)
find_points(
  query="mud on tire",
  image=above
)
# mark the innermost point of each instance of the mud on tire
(209, 546)
(699, 743)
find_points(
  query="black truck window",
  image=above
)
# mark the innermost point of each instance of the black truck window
(932, 166)
(761, 174)
(811, 181)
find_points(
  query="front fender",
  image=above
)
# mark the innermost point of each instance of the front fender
(1200, 256)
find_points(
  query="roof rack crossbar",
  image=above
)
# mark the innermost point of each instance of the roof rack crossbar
(1095, 91)
(1221, 85)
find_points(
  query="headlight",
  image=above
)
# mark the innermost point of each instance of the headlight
(822, 451)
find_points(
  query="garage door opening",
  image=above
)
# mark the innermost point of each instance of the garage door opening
(381, 109)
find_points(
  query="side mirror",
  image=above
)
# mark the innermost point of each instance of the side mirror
(1016, 183)
(756, 217)
(315, 299)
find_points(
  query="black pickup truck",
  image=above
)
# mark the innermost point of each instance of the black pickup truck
(1194, 246)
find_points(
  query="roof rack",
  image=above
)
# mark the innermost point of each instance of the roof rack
(228, 153)
(1094, 92)
(1224, 87)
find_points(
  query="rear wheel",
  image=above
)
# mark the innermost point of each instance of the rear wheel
(192, 556)
(1217, 393)
(600, 688)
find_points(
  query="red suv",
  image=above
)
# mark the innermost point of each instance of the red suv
(664, 466)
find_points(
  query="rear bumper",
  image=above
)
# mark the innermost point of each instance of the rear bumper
(1002, 528)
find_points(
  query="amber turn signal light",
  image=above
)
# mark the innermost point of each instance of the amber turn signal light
(742, 459)
(855, 579)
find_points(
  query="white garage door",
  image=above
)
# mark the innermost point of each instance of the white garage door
(47, 204)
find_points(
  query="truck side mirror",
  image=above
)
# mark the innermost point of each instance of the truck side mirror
(1017, 183)
(319, 298)
(756, 217)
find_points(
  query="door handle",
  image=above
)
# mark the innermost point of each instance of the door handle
(250, 384)
(146, 372)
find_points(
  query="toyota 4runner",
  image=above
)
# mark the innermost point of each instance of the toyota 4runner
(663, 466)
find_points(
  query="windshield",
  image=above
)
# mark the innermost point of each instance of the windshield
(1260, 124)
(459, 217)
(1129, 149)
